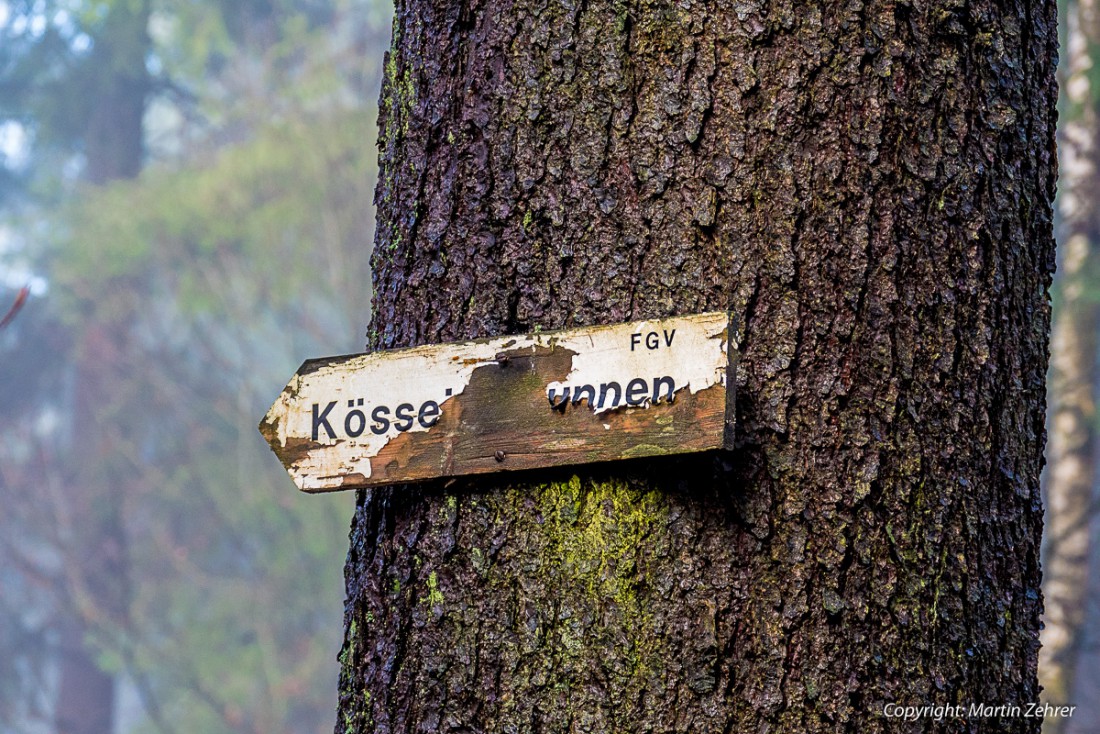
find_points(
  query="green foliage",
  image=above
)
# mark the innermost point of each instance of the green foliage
(288, 201)
(237, 578)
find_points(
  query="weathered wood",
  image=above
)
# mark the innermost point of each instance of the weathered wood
(517, 402)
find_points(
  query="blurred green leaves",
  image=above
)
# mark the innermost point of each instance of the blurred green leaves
(179, 303)
(294, 199)
(226, 274)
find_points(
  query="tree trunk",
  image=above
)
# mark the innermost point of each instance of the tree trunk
(114, 141)
(1072, 472)
(97, 596)
(868, 187)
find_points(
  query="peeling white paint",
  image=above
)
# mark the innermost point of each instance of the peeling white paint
(692, 351)
(413, 376)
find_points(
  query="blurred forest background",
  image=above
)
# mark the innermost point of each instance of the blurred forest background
(185, 215)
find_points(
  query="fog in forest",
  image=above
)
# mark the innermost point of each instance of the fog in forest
(185, 215)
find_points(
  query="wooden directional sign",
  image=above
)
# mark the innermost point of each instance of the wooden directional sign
(517, 402)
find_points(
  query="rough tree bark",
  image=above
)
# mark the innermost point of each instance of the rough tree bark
(1072, 472)
(868, 187)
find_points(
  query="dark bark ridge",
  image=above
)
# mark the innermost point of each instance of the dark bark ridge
(867, 186)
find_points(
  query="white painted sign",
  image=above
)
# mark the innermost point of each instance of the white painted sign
(515, 402)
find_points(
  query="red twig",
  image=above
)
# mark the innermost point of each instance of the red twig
(20, 299)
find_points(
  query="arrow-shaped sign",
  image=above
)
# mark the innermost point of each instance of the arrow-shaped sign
(517, 402)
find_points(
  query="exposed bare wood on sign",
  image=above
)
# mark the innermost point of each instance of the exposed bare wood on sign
(518, 402)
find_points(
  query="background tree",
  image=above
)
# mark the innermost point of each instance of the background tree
(868, 187)
(1071, 476)
(104, 123)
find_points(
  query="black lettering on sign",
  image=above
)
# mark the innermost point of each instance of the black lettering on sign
(321, 420)
(355, 421)
(606, 388)
(657, 382)
(584, 392)
(429, 414)
(611, 394)
(380, 416)
(552, 394)
(404, 417)
(637, 391)
(607, 396)
(652, 339)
